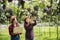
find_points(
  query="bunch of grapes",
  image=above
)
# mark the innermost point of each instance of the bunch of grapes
(48, 10)
(58, 7)
(9, 0)
(9, 13)
(21, 2)
(4, 6)
(36, 8)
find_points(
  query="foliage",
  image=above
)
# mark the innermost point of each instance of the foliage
(40, 3)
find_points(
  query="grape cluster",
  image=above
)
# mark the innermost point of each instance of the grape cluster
(36, 8)
(4, 6)
(9, 13)
(58, 7)
(48, 10)
(9, 0)
(21, 2)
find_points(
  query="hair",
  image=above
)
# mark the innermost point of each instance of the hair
(12, 19)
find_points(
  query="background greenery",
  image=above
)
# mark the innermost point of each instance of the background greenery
(41, 5)
(41, 33)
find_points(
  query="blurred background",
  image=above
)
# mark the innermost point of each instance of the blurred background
(46, 12)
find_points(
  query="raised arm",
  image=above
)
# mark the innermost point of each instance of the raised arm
(34, 22)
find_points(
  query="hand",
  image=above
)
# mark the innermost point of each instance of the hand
(18, 33)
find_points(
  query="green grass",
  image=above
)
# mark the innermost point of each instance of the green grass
(41, 33)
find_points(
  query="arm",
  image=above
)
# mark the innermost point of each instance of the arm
(11, 31)
(34, 22)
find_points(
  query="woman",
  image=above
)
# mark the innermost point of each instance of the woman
(28, 25)
(11, 27)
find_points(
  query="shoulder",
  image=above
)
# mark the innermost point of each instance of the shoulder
(10, 26)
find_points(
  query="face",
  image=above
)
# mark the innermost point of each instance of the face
(27, 20)
(15, 21)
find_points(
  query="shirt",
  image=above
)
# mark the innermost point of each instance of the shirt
(29, 30)
(11, 30)
(11, 27)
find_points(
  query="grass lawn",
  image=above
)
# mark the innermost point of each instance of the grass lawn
(41, 33)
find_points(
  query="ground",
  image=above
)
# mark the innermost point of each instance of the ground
(41, 33)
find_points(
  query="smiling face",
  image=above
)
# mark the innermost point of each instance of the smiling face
(27, 20)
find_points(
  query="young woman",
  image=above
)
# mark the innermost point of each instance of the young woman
(11, 27)
(28, 25)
